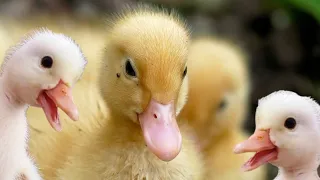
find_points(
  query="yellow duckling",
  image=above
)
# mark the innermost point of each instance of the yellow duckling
(143, 80)
(217, 104)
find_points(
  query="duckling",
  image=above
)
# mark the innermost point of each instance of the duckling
(218, 71)
(45, 81)
(87, 96)
(287, 136)
(90, 105)
(143, 80)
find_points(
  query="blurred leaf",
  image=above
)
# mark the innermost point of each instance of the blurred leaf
(310, 6)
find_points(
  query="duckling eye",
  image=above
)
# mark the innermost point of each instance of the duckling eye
(290, 123)
(46, 62)
(129, 69)
(222, 104)
(185, 72)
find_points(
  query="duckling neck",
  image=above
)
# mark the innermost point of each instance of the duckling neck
(306, 171)
(13, 123)
(8, 98)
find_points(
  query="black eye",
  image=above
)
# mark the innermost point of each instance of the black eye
(290, 123)
(129, 69)
(46, 62)
(222, 104)
(185, 72)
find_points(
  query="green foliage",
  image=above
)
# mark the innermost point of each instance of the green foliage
(310, 6)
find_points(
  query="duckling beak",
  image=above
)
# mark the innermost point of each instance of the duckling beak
(61, 97)
(160, 130)
(260, 143)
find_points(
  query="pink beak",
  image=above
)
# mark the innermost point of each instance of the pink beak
(160, 130)
(61, 97)
(260, 143)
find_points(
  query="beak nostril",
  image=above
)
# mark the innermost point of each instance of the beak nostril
(155, 116)
(64, 92)
(260, 137)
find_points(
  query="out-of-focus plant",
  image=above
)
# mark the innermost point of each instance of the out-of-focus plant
(310, 6)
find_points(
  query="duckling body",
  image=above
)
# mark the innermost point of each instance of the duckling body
(143, 81)
(217, 104)
(110, 155)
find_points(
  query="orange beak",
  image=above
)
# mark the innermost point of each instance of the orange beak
(260, 143)
(61, 97)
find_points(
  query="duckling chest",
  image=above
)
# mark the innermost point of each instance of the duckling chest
(138, 163)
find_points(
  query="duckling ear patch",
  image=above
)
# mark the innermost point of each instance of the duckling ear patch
(118, 75)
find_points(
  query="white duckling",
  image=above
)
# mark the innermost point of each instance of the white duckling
(287, 135)
(39, 71)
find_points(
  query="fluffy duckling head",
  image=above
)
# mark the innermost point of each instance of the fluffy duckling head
(287, 132)
(41, 70)
(144, 75)
(218, 89)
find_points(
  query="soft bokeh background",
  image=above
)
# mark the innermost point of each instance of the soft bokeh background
(282, 37)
